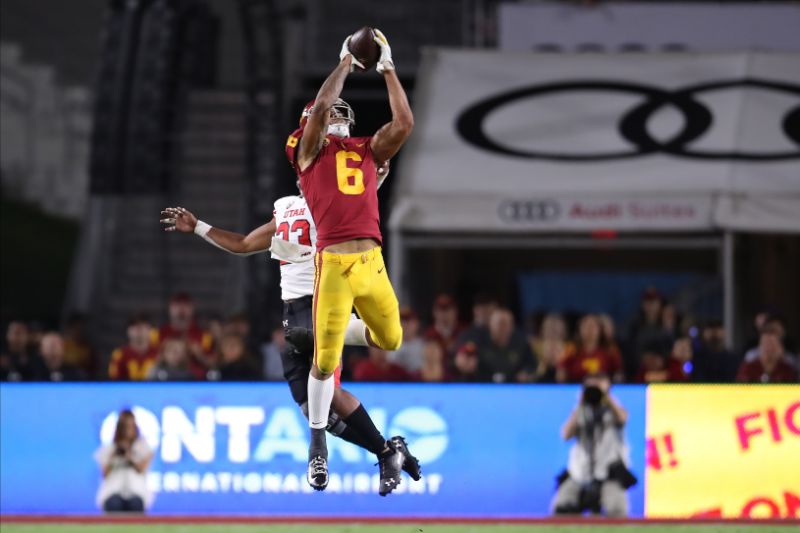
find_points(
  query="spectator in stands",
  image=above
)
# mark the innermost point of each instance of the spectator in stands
(645, 329)
(214, 325)
(549, 347)
(714, 362)
(466, 365)
(410, 355)
(78, 351)
(478, 332)
(445, 328)
(771, 365)
(659, 367)
(597, 475)
(124, 464)
(609, 330)
(182, 325)
(236, 363)
(133, 361)
(683, 358)
(172, 363)
(239, 324)
(52, 351)
(590, 354)
(17, 361)
(271, 364)
(759, 320)
(506, 355)
(775, 325)
(433, 363)
(377, 367)
(670, 321)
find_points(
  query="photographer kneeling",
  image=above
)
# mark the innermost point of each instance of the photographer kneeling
(597, 475)
(124, 463)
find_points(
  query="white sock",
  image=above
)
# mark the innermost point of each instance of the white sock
(356, 333)
(320, 395)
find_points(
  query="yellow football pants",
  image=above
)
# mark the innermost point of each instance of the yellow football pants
(341, 282)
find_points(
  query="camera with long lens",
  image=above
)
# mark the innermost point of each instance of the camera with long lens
(592, 395)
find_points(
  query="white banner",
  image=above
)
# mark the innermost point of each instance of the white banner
(651, 141)
(619, 26)
(523, 214)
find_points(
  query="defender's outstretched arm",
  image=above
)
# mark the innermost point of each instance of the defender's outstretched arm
(183, 220)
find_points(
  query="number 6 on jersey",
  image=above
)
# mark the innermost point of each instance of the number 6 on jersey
(344, 173)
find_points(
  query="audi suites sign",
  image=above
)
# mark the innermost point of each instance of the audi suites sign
(552, 142)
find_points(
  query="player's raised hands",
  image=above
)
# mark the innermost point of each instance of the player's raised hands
(178, 219)
(346, 52)
(385, 62)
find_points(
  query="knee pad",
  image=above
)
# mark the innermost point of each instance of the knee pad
(391, 341)
(327, 361)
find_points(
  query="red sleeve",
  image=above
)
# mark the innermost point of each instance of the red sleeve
(743, 376)
(614, 361)
(676, 373)
(565, 362)
(292, 144)
(787, 374)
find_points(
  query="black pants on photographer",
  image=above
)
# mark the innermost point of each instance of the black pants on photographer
(117, 504)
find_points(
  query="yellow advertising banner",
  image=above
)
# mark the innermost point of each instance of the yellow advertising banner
(728, 451)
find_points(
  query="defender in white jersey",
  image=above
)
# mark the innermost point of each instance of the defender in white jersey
(290, 237)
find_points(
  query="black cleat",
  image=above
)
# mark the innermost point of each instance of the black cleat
(317, 474)
(301, 338)
(410, 464)
(390, 462)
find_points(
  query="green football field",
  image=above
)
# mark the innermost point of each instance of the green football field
(389, 528)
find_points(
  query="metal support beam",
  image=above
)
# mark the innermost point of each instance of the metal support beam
(728, 287)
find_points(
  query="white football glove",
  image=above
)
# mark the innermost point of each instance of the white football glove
(385, 62)
(346, 51)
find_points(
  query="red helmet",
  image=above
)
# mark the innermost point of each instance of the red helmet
(306, 112)
(340, 108)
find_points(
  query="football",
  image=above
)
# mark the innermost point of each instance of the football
(364, 48)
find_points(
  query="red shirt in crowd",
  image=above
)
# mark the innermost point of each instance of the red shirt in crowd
(367, 370)
(578, 363)
(754, 372)
(129, 365)
(195, 337)
(672, 373)
(448, 343)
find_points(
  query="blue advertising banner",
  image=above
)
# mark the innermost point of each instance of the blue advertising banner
(486, 450)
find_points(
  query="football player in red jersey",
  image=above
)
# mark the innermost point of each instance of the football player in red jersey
(338, 177)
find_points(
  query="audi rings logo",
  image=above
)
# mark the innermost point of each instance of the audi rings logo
(632, 125)
(529, 210)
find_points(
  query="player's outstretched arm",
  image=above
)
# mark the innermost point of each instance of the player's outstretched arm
(388, 140)
(183, 220)
(317, 126)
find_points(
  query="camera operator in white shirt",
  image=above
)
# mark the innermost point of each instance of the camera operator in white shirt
(597, 475)
(124, 464)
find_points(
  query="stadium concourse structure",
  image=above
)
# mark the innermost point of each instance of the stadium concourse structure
(516, 153)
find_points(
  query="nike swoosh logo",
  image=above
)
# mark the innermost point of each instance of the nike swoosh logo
(380, 270)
